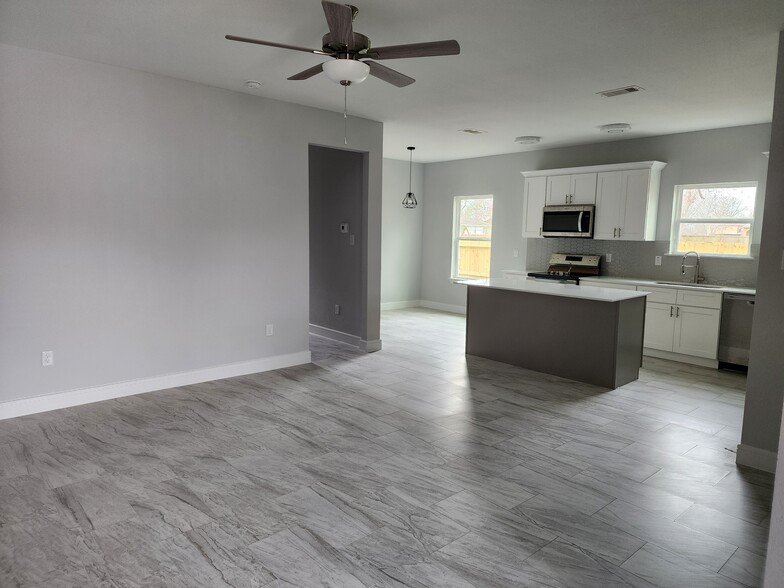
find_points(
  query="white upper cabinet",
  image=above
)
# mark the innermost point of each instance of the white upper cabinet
(533, 204)
(571, 189)
(626, 197)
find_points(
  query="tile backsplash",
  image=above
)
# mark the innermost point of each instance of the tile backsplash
(635, 259)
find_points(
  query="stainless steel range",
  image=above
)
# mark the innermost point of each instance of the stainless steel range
(569, 268)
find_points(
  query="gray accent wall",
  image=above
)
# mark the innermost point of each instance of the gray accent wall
(401, 235)
(151, 226)
(762, 414)
(336, 272)
(721, 155)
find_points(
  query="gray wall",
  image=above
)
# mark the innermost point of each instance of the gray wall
(762, 415)
(150, 226)
(720, 155)
(765, 387)
(498, 175)
(336, 273)
(401, 236)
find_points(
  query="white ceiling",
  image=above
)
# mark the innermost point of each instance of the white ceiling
(527, 67)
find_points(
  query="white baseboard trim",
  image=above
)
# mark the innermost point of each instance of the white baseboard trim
(401, 304)
(340, 336)
(759, 459)
(370, 346)
(454, 308)
(690, 359)
(353, 340)
(23, 406)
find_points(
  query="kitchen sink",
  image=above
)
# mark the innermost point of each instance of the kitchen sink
(689, 284)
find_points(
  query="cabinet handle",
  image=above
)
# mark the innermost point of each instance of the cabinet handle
(566, 199)
(615, 230)
(540, 231)
(670, 311)
(677, 311)
(619, 232)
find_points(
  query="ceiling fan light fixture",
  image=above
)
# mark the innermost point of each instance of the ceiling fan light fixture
(528, 140)
(346, 70)
(615, 128)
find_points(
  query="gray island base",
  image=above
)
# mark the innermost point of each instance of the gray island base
(592, 335)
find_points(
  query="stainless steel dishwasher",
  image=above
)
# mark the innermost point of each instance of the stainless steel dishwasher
(737, 312)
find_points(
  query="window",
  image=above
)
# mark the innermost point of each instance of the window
(472, 232)
(713, 218)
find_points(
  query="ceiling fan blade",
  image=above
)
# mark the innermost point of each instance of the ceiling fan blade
(382, 72)
(271, 44)
(308, 73)
(339, 19)
(431, 49)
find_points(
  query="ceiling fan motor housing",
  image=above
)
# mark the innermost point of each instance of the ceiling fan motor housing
(361, 42)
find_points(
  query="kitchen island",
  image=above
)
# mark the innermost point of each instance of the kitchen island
(584, 333)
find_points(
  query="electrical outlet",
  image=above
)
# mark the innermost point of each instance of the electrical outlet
(337, 309)
(608, 257)
(47, 358)
(657, 260)
(270, 330)
(515, 253)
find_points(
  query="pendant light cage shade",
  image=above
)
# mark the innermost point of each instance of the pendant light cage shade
(410, 200)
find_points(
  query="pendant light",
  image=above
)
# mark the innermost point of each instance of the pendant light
(410, 200)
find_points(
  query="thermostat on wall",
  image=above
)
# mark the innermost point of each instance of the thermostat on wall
(344, 227)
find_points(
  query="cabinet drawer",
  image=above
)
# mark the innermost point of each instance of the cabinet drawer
(701, 299)
(663, 295)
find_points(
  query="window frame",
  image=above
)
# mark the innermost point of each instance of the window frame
(456, 233)
(677, 205)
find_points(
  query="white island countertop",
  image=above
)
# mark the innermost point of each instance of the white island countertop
(557, 289)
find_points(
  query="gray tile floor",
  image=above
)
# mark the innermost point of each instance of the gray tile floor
(414, 466)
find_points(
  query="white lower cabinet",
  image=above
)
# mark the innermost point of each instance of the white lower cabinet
(679, 321)
(689, 330)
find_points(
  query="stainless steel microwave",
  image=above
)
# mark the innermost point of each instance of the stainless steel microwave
(568, 221)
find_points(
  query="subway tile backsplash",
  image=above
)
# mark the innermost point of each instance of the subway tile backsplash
(635, 259)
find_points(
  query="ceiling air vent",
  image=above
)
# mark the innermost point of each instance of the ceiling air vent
(620, 91)
(472, 131)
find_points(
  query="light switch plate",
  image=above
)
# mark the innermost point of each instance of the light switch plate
(608, 257)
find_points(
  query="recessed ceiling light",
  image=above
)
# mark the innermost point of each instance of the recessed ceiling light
(472, 131)
(615, 128)
(528, 140)
(252, 84)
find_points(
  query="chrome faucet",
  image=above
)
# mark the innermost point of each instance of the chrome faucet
(697, 278)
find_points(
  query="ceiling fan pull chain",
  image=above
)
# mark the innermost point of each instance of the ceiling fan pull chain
(345, 114)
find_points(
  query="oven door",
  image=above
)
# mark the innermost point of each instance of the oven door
(568, 221)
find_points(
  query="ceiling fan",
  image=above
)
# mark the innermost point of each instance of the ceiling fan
(354, 58)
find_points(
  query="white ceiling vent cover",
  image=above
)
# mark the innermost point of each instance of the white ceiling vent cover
(620, 91)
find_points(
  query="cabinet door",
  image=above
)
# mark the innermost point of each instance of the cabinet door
(583, 189)
(609, 205)
(659, 326)
(558, 189)
(532, 206)
(634, 218)
(697, 331)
